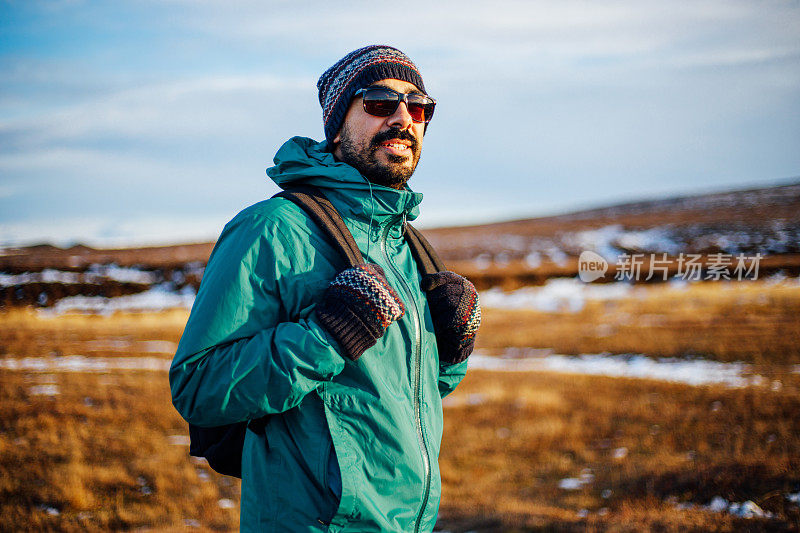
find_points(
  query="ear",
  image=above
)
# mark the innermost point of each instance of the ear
(335, 146)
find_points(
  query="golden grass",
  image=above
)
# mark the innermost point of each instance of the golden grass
(748, 321)
(100, 454)
(27, 332)
(651, 444)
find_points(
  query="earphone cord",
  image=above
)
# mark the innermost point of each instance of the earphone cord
(371, 216)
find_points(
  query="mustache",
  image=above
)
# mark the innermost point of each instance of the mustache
(394, 133)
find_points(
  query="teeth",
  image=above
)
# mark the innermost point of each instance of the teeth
(397, 146)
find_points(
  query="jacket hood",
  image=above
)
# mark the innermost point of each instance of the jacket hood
(305, 161)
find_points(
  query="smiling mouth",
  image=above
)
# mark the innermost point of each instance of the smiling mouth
(397, 146)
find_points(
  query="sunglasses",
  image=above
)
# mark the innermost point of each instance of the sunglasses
(383, 102)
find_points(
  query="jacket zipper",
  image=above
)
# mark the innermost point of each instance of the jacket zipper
(426, 462)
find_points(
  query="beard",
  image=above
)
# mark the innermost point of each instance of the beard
(363, 156)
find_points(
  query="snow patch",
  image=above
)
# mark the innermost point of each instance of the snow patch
(570, 483)
(718, 504)
(51, 511)
(179, 440)
(123, 274)
(694, 372)
(556, 295)
(613, 240)
(158, 298)
(167, 347)
(575, 483)
(226, 503)
(81, 363)
(620, 453)
(47, 275)
(95, 274)
(113, 345)
(44, 390)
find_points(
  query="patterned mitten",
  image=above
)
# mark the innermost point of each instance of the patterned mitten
(357, 308)
(456, 314)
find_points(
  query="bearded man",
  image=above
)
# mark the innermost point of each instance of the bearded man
(352, 366)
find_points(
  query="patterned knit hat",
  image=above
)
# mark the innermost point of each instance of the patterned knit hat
(356, 70)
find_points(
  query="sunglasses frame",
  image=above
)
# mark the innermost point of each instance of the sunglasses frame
(401, 97)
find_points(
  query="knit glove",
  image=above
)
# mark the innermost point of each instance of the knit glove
(358, 306)
(456, 314)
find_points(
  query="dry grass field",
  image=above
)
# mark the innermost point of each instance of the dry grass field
(643, 447)
(524, 451)
(101, 456)
(753, 321)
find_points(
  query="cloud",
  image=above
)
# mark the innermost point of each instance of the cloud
(185, 108)
(498, 35)
(128, 110)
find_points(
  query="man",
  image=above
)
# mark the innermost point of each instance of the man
(352, 365)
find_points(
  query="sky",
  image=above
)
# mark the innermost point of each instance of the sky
(147, 122)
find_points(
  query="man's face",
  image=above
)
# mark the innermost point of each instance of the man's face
(384, 149)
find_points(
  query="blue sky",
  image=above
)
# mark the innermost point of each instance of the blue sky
(153, 121)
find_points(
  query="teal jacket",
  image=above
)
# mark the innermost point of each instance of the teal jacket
(353, 446)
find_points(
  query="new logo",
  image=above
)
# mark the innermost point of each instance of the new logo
(591, 266)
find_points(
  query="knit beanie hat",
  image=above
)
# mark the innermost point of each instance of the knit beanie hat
(357, 70)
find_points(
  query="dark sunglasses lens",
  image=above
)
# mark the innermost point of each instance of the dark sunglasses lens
(380, 108)
(420, 109)
(380, 103)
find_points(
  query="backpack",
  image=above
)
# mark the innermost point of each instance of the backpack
(222, 445)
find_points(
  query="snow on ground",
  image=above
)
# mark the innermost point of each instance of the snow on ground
(157, 298)
(694, 372)
(575, 483)
(609, 241)
(47, 275)
(689, 371)
(226, 503)
(179, 440)
(127, 345)
(168, 347)
(81, 363)
(123, 274)
(557, 294)
(571, 294)
(718, 504)
(44, 390)
(95, 274)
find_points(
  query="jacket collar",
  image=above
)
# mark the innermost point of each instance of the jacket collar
(304, 161)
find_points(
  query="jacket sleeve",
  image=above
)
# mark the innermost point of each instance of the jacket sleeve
(450, 376)
(243, 353)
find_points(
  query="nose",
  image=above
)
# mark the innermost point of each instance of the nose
(400, 118)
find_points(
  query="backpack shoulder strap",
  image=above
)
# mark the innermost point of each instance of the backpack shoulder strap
(428, 260)
(327, 218)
